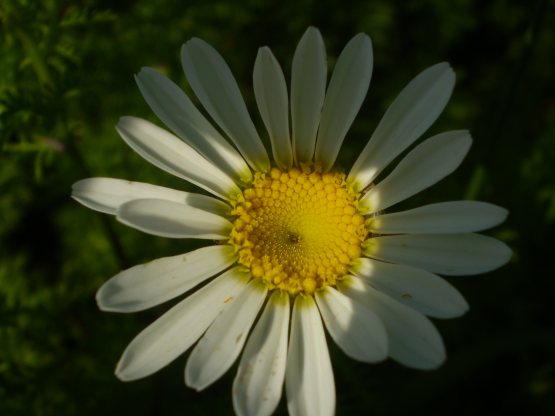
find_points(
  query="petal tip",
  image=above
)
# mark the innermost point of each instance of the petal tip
(435, 364)
(443, 66)
(196, 42)
(121, 372)
(76, 186)
(100, 300)
(444, 73)
(144, 70)
(506, 254)
(363, 38)
(193, 384)
(312, 33)
(264, 50)
(125, 121)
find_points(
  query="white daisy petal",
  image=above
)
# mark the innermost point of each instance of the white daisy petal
(426, 164)
(308, 87)
(422, 290)
(175, 331)
(357, 330)
(346, 92)
(442, 218)
(223, 341)
(259, 382)
(413, 339)
(449, 254)
(270, 91)
(176, 111)
(150, 284)
(216, 88)
(173, 220)
(309, 377)
(107, 195)
(414, 110)
(167, 152)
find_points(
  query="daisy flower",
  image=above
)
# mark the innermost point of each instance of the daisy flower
(294, 244)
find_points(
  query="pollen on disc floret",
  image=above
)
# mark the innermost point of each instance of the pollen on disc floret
(298, 230)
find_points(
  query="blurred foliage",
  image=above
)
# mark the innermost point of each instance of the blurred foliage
(66, 76)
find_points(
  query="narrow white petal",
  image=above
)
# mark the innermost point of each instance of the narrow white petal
(426, 164)
(177, 112)
(216, 88)
(259, 382)
(308, 87)
(309, 377)
(172, 219)
(175, 331)
(449, 254)
(414, 110)
(422, 290)
(107, 195)
(223, 341)
(413, 339)
(150, 284)
(442, 218)
(346, 92)
(164, 150)
(357, 330)
(270, 91)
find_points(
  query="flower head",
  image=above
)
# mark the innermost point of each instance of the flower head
(299, 244)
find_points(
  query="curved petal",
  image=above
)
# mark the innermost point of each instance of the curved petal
(176, 111)
(346, 92)
(308, 88)
(173, 220)
(426, 164)
(108, 194)
(259, 381)
(442, 218)
(449, 254)
(414, 110)
(167, 152)
(223, 341)
(270, 92)
(175, 331)
(413, 339)
(147, 285)
(422, 290)
(355, 328)
(216, 88)
(309, 376)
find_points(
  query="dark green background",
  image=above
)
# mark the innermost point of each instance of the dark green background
(66, 76)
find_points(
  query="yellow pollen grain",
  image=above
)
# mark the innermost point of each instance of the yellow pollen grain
(298, 230)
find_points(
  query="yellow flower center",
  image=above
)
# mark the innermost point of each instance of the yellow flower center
(298, 230)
